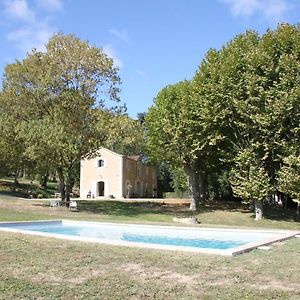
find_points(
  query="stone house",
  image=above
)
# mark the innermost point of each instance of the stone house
(111, 175)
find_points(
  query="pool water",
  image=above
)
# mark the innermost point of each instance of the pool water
(131, 235)
(187, 242)
(213, 240)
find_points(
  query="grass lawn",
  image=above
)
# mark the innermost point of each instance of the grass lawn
(44, 268)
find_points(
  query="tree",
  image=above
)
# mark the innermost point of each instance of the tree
(121, 133)
(250, 181)
(289, 178)
(177, 133)
(267, 111)
(273, 90)
(52, 95)
(221, 81)
(244, 98)
(255, 84)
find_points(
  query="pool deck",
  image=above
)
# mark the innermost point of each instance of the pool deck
(282, 235)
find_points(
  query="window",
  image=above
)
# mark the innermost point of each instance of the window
(100, 163)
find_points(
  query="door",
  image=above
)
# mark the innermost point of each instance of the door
(100, 188)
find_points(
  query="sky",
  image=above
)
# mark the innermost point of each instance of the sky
(154, 43)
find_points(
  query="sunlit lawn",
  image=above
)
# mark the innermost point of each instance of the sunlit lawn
(44, 268)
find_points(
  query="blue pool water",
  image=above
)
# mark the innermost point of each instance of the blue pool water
(128, 235)
(193, 238)
(187, 242)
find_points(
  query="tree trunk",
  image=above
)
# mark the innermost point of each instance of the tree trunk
(258, 206)
(44, 180)
(61, 185)
(16, 182)
(203, 186)
(193, 183)
(285, 202)
(298, 208)
(197, 186)
(68, 189)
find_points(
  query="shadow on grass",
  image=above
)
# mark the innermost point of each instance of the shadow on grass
(8, 188)
(12, 194)
(178, 209)
(135, 208)
(278, 213)
(118, 208)
(230, 206)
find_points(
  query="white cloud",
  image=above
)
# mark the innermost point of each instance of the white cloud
(110, 52)
(18, 10)
(28, 37)
(120, 34)
(272, 10)
(276, 8)
(28, 29)
(49, 5)
(242, 7)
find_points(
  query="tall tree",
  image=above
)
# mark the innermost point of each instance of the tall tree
(52, 94)
(256, 87)
(177, 132)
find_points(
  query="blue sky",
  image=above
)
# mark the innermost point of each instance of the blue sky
(153, 42)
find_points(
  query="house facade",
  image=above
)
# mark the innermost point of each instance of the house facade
(111, 175)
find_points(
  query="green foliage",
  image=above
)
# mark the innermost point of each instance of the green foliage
(51, 97)
(164, 179)
(180, 128)
(170, 132)
(179, 180)
(249, 179)
(120, 133)
(219, 186)
(252, 89)
(11, 146)
(289, 177)
(178, 132)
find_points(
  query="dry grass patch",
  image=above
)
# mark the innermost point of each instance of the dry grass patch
(140, 272)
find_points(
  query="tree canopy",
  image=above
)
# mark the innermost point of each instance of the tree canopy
(52, 96)
(178, 133)
(243, 99)
(120, 133)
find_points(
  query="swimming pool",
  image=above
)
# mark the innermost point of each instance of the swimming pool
(196, 239)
